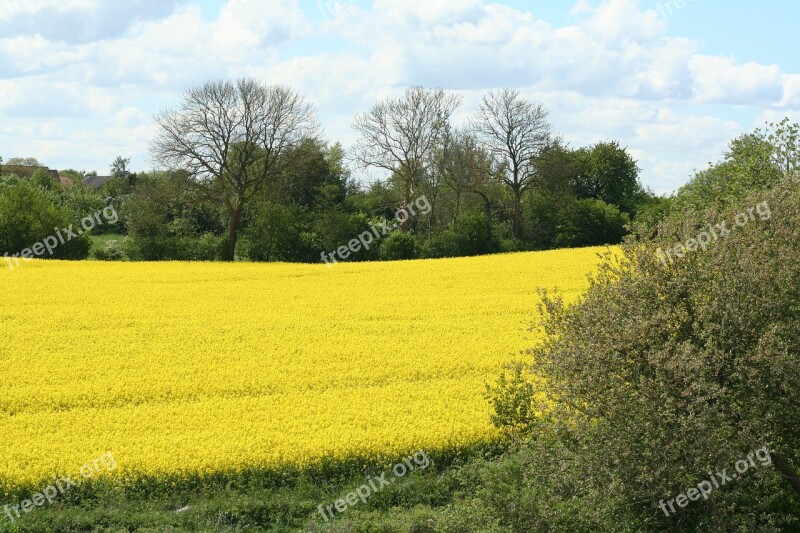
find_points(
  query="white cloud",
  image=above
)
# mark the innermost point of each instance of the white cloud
(78, 21)
(623, 20)
(89, 74)
(722, 80)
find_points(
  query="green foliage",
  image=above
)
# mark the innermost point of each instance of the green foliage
(591, 222)
(441, 244)
(311, 169)
(44, 179)
(607, 172)
(651, 209)
(754, 162)
(169, 220)
(174, 247)
(24, 162)
(75, 175)
(117, 187)
(542, 215)
(29, 214)
(335, 227)
(276, 232)
(84, 202)
(474, 235)
(512, 401)
(557, 171)
(398, 246)
(119, 168)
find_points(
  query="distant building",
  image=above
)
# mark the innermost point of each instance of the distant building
(95, 182)
(24, 171)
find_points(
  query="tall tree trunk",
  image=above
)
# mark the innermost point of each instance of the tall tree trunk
(406, 224)
(233, 231)
(516, 219)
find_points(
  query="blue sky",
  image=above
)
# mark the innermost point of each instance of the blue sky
(80, 80)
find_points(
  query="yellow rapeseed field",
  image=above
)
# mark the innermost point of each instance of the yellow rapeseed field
(189, 369)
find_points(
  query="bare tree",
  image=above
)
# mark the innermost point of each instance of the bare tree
(465, 167)
(233, 138)
(514, 131)
(400, 135)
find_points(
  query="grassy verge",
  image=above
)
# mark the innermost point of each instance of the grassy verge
(99, 242)
(264, 502)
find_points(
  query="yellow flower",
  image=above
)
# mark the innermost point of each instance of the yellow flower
(192, 369)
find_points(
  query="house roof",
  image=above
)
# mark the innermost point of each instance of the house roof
(95, 182)
(24, 171)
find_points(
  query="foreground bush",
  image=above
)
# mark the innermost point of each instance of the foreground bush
(669, 371)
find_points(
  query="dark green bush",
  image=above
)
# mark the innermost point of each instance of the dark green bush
(274, 233)
(668, 370)
(591, 223)
(442, 244)
(398, 246)
(474, 235)
(206, 247)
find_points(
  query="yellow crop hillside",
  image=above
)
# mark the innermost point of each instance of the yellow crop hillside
(190, 369)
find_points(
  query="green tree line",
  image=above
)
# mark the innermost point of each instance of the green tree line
(245, 175)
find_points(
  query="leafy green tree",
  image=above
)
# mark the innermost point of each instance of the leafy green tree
(42, 178)
(542, 216)
(311, 169)
(754, 161)
(784, 137)
(29, 214)
(590, 222)
(551, 194)
(607, 172)
(557, 171)
(277, 232)
(122, 180)
(473, 234)
(167, 219)
(466, 168)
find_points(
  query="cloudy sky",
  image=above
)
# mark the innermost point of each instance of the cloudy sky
(80, 80)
